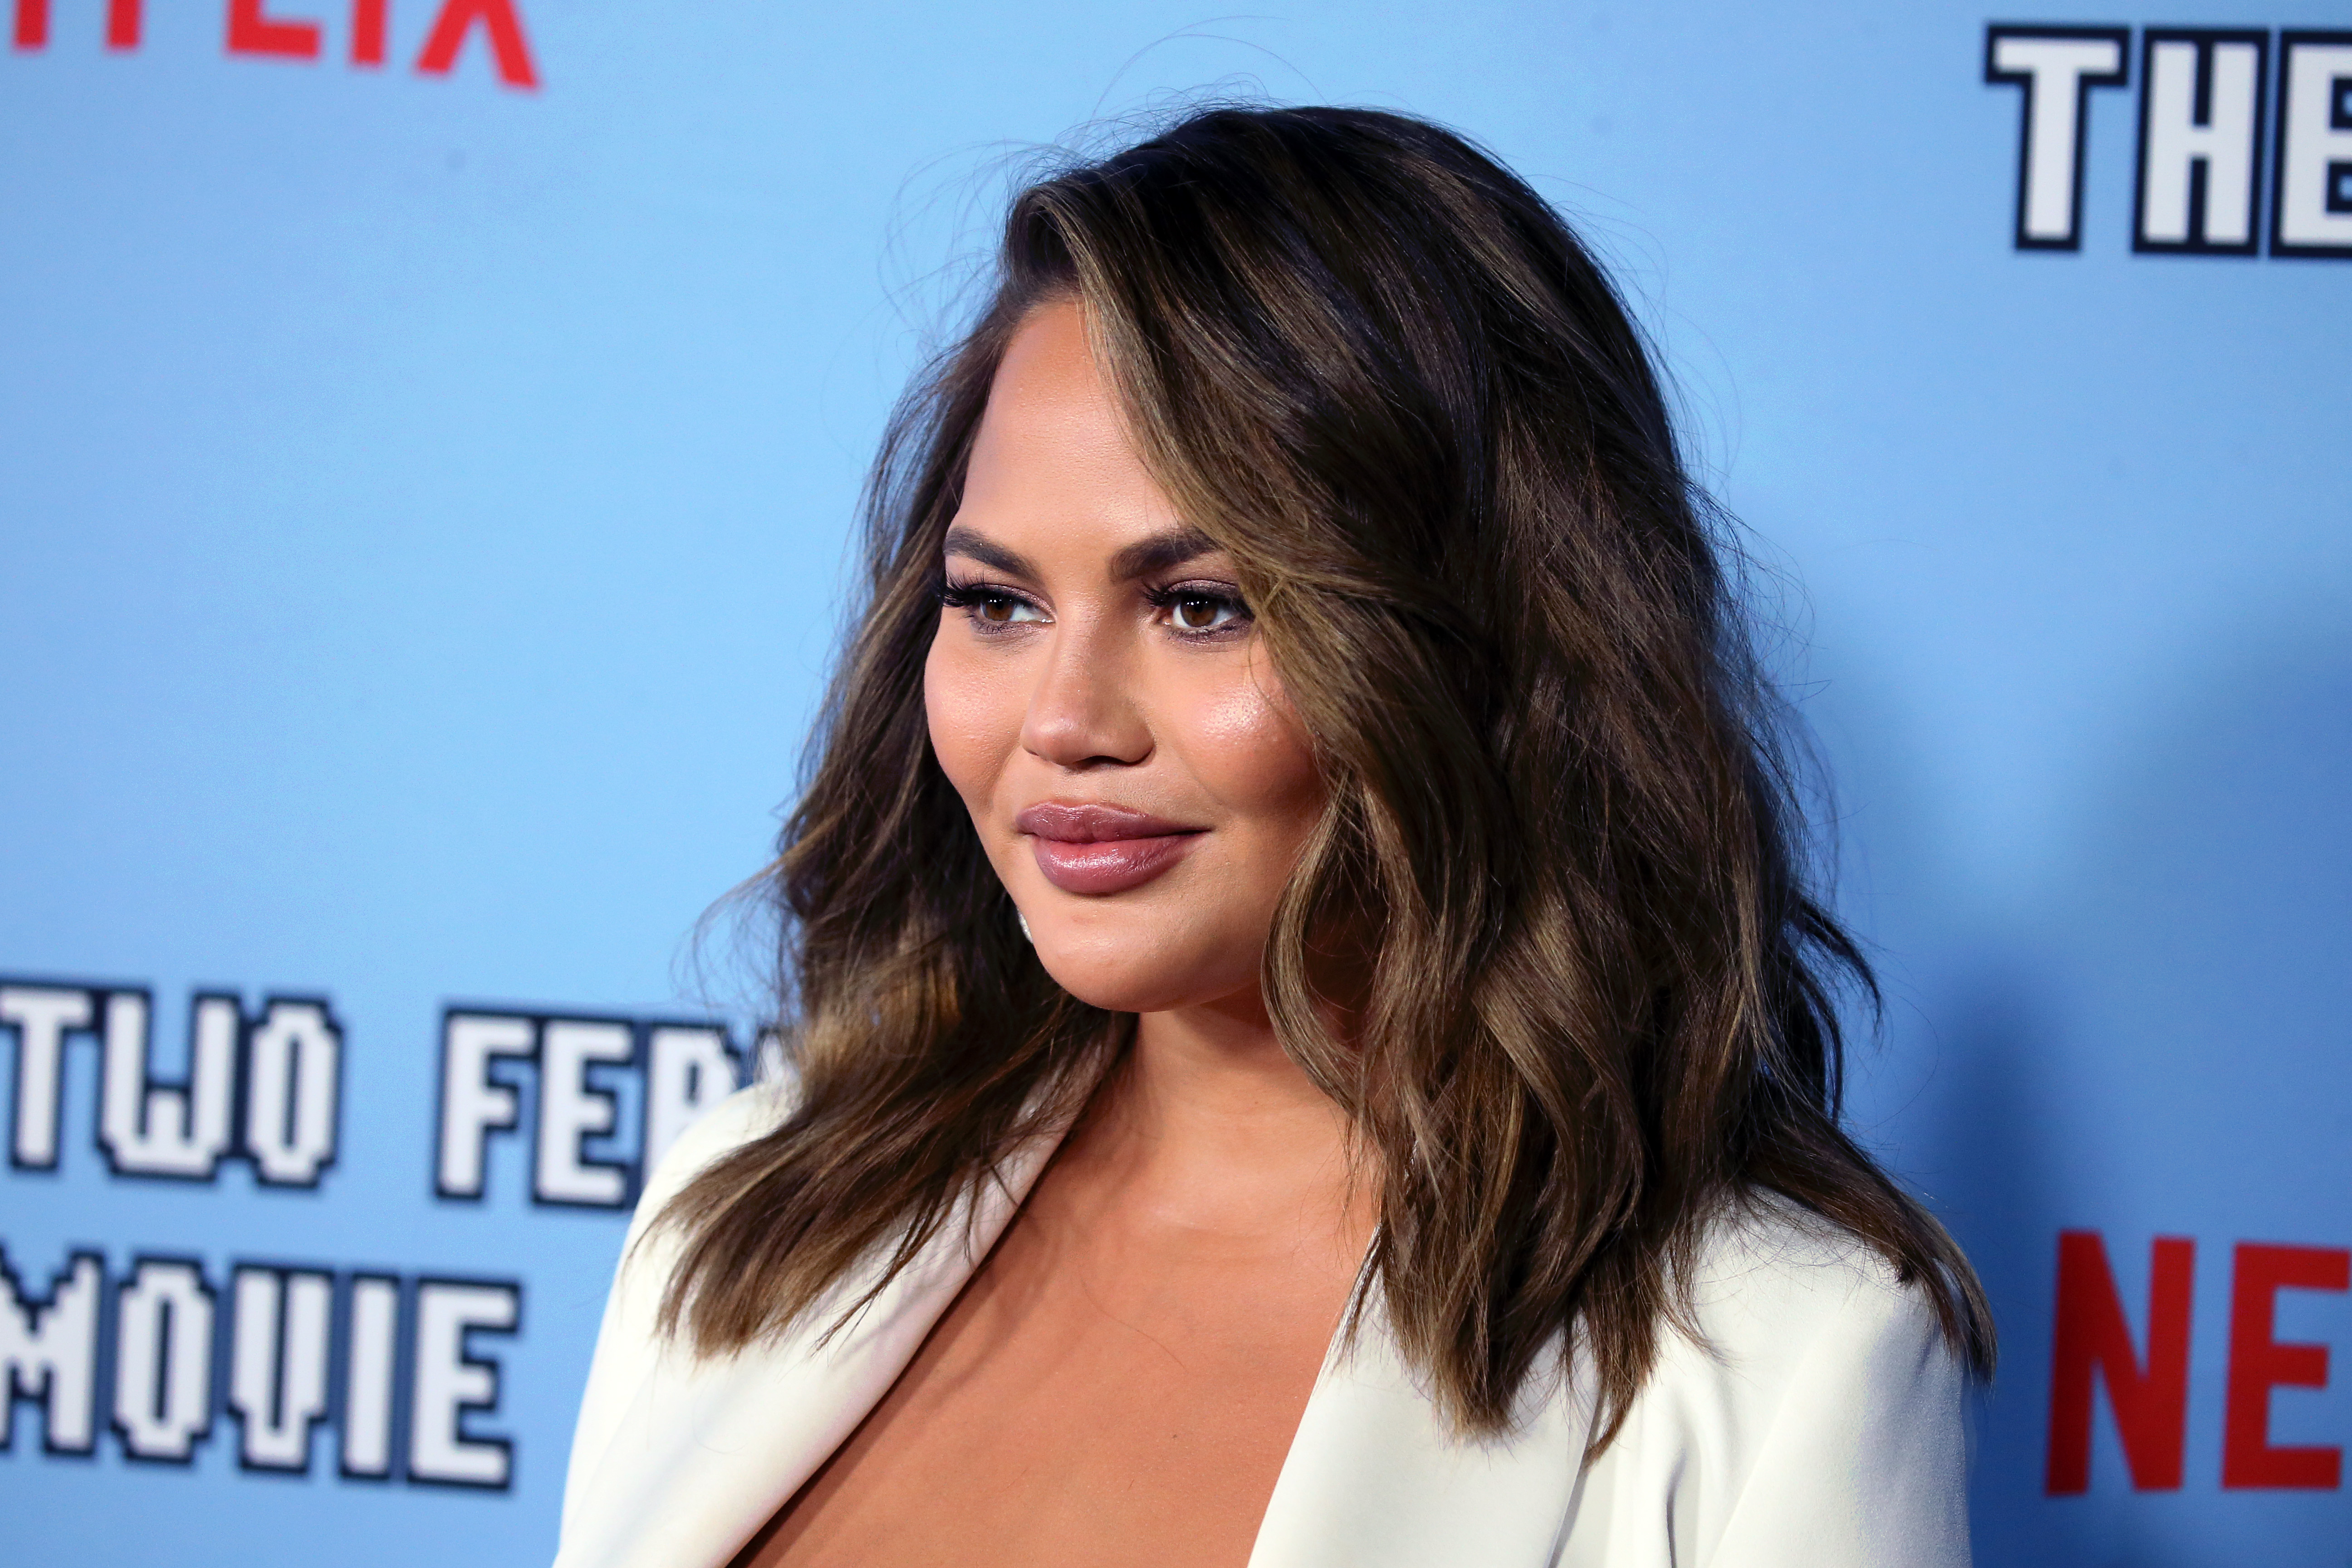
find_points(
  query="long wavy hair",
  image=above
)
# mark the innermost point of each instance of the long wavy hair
(1600, 1010)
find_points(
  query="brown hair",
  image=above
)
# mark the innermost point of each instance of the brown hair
(1382, 374)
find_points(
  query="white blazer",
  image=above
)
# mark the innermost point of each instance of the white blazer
(1820, 1427)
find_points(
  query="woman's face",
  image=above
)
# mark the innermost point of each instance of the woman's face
(1098, 695)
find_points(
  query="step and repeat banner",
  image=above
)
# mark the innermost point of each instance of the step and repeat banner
(429, 431)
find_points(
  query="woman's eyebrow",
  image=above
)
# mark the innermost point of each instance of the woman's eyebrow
(1160, 552)
(961, 541)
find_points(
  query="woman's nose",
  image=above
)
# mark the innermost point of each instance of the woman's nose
(1083, 712)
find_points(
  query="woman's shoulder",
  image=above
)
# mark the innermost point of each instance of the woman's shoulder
(1786, 1306)
(753, 1112)
(632, 1322)
(1772, 1276)
(1810, 1396)
(630, 1342)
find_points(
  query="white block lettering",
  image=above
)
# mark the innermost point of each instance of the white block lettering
(2199, 140)
(448, 1383)
(368, 1375)
(2311, 209)
(163, 1360)
(292, 1085)
(687, 1071)
(471, 1104)
(570, 1109)
(51, 1352)
(41, 1015)
(277, 1363)
(155, 1129)
(2057, 68)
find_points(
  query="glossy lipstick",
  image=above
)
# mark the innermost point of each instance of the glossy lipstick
(1102, 850)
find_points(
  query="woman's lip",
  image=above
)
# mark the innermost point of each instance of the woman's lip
(1097, 848)
(1101, 866)
(1093, 822)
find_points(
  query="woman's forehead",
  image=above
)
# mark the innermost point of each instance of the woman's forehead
(1052, 468)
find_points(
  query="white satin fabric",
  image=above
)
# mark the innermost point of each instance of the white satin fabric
(1821, 1425)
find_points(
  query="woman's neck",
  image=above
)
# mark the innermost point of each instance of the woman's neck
(1209, 1125)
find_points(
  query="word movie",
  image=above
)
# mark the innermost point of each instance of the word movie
(390, 1364)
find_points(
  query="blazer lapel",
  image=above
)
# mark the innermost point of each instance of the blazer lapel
(711, 1448)
(1375, 1479)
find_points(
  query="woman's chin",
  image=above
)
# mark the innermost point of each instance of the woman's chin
(1141, 971)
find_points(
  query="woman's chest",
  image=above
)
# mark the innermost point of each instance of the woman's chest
(1097, 1394)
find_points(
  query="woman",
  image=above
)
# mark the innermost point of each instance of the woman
(1313, 1046)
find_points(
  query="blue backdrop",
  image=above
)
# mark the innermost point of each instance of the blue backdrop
(428, 435)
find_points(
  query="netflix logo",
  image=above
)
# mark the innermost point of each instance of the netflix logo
(2147, 1382)
(297, 30)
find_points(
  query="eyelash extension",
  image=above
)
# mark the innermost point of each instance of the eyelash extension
(973, 602)
(1174, 594)
(970, 596)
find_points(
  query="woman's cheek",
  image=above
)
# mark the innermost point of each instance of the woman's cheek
(1262, 755)
(959, 705)
(1253, 756)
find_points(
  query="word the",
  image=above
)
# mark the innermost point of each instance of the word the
(2201, 130)
(252, 30)
(265, 1087)
(2150, 1394)
(389, 1362)
(583, 1068)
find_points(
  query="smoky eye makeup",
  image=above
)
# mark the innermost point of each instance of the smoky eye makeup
(1201, 608)
(989, 607)
(1194, 609)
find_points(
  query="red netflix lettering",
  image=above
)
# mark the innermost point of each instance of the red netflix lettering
(254, 29)
(2258, 1364)
(2150, 1402)
(367, 32)
(123, 24)
(252, 33)
(457, 19)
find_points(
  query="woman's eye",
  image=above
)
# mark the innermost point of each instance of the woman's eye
(1203, 611)
(990, 607)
